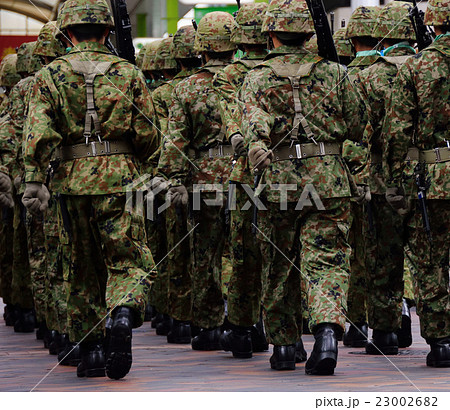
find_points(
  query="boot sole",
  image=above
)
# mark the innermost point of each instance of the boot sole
(92, 373)
(242, 355)
(180, 340)
(207, 348)
(119, 360)
(288, 365)
(325, 365)
(434, 363)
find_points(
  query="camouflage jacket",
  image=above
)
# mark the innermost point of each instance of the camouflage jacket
(375, 84)
(195, 125)
(356, 153)
(56, 118)
(331, 107)
(228, 83)
(418, 116)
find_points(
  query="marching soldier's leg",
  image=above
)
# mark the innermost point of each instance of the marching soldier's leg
(432, 278)
(207, 244)
(6, 261)
(385, 278)
(130, 268)
(179, 272)
(356, 336)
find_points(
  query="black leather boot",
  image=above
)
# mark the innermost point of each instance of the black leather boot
(163, 327)
(356, 335)
(70, 355)
(148, 316)
(207, 340)
(259, 341)
(180, 333)
(40, 332)
(53, 345)
(92, 363)
(26, 321)
(382, 343)
(439, 355)
(283, 357)
(159, 317)
(300, 352)
(404, 334)
(238, 341)
(323, 358)
(11, 314)
(119, 358)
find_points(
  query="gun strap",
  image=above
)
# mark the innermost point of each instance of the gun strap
(89, 70)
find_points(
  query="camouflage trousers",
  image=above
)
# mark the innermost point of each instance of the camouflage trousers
(56, 313)
(157, 242)
(21, 289)
(357, 291)
(207, 246)
(433, 266)
(36, 258)
(245, 284)
(178, 263)
(110, 263)
(318, 242)
(6, 254)
(385, 267)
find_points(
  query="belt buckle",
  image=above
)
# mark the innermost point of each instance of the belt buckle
(211, 153)
(322, 149)
(298, 150)
(107, 147)
(448, 144)
(94, 149)
(438, 154)
(220, 149)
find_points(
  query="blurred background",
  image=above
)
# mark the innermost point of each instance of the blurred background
(21, 20)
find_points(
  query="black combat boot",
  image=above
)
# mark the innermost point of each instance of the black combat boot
(238, 341)
(356, 335)
(323, 358)
(439, 355)
(283, 357)
(71, 354)
(92, 363)
(11, 314)
(119, 358)
(148, 316)
(382, 343)
(163, 327)
(207, 339)
(42, 329)
(180, 333)
(300, 352)
(259, 341)
(404, 334)
(158, 318)
(26, 321)
(54, 343)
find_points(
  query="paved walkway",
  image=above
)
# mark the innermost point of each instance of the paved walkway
(161, 367)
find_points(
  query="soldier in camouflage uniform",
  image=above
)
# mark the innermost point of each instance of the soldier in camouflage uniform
(359, 34)
(303, 151)
(416, 132)
(149, 67)
(102, 137)
(8, 79)
(245, 284)
(178, 260)
(384, 251)
(196, 153)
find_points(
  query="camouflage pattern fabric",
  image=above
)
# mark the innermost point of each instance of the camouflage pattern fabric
(394, 22)
(248, 24)
(214, 33)
(8, 71)
(95, 175)
(164, 58)
(425, 75)
(100, 226)
(437, 13)
(362, 21)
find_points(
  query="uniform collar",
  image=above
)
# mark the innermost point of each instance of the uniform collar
(254, 55)
(283, 50)
(89, 46)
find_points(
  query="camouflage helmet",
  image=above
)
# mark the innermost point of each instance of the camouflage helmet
(24, 54)
(140, 56)
(362, 22)
(183, 43)
(74, 12)
(343, 45)
(8, 72)
(437, 13)
(311, 45)
(164, 58)
(394, 22)
(288, 16)
(35, 60)
(149, 63)
(47, 44)
(248, 24)
(214, 33)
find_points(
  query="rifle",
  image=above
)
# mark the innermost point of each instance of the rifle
(325, 41)
(124, 40)
(423, 36)
(422, 186)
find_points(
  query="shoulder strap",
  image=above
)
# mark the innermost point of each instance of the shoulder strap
(294, 72)
(89, 70)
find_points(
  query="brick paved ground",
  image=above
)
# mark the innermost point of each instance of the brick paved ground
(160, 367)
